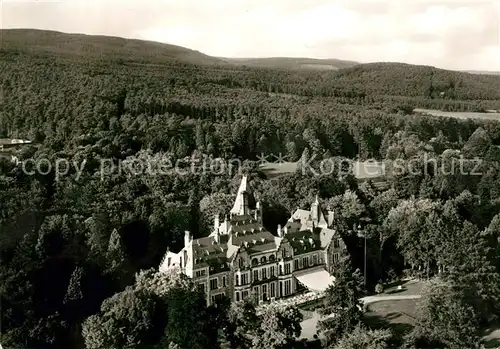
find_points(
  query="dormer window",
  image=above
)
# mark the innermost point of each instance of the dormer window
(263, 259)
(255, 262)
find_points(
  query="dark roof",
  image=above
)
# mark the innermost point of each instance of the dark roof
(246, 232)
(304, 241)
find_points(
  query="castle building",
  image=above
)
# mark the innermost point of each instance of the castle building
(8, 148)
(241, 259)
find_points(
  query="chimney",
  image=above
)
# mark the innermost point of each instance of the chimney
(187, 238)
(258, 212)
(331, 218)
(216, 223)
(226, 224)
(280, 232)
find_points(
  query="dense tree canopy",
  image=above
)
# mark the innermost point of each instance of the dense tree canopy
(152, 142)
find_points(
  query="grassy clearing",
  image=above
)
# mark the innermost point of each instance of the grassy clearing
(460, 115)
(362, 170)
(400, 316)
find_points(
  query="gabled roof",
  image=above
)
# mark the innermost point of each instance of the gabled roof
(313, 217)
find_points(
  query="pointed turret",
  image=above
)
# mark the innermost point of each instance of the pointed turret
(317, 217)
(240, 206)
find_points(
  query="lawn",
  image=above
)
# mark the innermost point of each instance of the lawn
(362, 170)
(398, 315)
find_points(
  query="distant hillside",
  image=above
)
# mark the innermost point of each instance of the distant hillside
(292, 63)
(400, 79)
(40, 41)
(44, 41)
(482, 72)
(310, 77)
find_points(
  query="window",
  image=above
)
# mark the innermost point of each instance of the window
(296, 264)
(264, 273)
(264, 292)
(201, 287)
(217, 297)
(200, 273)
(244, 279)
(223, 281)
(255, 262)
(281, 270)
(237, 296)
(288, 287)
(272, 258)
(244, 295)
(263, 260)
(287, 268)
(336, 243)
(237, 280)
(283, 253)
(315, 259)
(169, 260)
(305, 262)
(213, 284)
(335, 257)
(240, 262)
(273, 290)
(256, 293)
(272, 271)
(255, 275)
(180, 262)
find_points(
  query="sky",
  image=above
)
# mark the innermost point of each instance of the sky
(460, 35)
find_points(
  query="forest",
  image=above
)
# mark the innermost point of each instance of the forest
(78, 253)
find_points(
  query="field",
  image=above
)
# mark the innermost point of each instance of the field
(362, 170)
(460, 115)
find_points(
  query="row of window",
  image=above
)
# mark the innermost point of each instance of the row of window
(265, 292)
(214, 283)
(302, 263)
(217, 297)
(263, 260)
(265, 273)
(200, 273)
